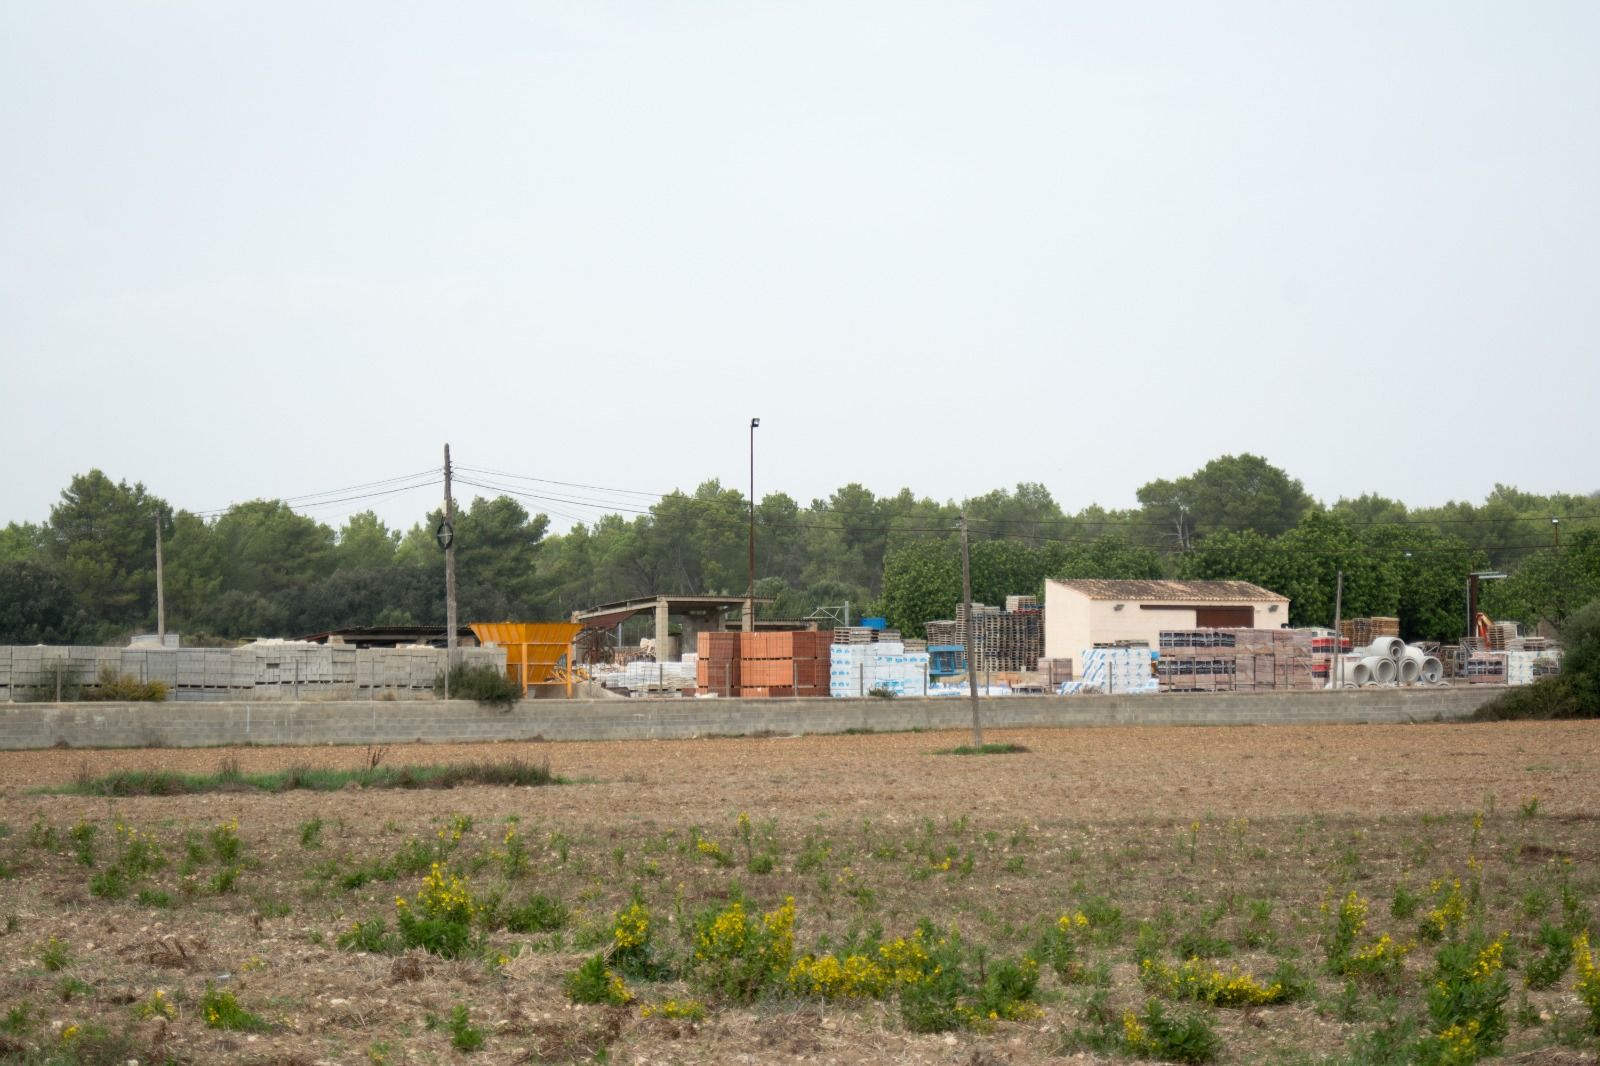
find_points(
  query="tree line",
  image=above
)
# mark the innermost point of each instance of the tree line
(86, 574)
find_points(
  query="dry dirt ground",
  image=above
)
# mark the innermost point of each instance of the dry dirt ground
(1168, 837)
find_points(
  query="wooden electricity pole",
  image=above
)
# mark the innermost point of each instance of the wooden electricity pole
(972, 662)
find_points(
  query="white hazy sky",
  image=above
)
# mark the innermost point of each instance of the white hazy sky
(272, 249)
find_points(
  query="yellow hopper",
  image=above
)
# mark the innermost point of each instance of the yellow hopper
(537, 653)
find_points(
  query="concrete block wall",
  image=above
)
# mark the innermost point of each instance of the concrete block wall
(253, 672)
(195, 724)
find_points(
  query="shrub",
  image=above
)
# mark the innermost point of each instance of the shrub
(738, 956)
(372, 937)
(633, 943)
(855, 976)
(222, 1011)
(1058, 947)
(933, 984)
(126, 689)
(439, 920)
(1197, 981)
(55, 955)
(1466, 1002)
(1588, 979)
(1181, 1038)
(463, 1036)
(485, 684)
(595, 982)
(688, 1009)
(1551, 964)
(538, 914)
(1008, 990)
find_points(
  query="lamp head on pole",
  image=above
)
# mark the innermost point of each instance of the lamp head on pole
(755, 422)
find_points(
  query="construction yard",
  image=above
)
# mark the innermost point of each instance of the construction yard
(242, 924)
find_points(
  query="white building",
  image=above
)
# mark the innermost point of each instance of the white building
(1079, 614)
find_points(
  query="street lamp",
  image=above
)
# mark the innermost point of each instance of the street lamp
(750, 593)
(1472, 594)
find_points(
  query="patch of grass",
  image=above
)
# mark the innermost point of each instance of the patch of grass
(463, 1035)
(55, 955)
(510, 772)
(538, 914)
(154, 897)
(984, 749)
(222, 1011)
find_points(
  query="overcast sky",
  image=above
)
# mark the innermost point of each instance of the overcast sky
(273, 249)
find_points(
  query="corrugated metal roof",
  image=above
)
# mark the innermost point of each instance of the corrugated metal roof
(1173, 591)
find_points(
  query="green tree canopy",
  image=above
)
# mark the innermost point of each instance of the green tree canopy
(1232, 493)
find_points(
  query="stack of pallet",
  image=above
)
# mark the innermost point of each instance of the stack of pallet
(969, 634)
(1271, 660)
(784, 664)
(1002, 641)
(717, 664)
(855, 635)
(1022, 603)
(1502, 635)
(944, 632)
(1055, 671)
(1360, 631)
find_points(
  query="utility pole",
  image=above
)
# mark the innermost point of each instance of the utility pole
(447, 538)
(972, 664)
(161, 590)
(750, 593)
(1336, 676)
(1555, 523)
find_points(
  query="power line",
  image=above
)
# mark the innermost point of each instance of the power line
(345, 495)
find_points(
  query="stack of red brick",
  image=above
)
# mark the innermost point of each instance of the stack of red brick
(717, 664)
(763, 664)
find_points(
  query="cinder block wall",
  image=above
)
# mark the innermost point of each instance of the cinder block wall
(253, 672)
(121, 725)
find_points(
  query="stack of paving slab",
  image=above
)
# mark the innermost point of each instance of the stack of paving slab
(658, 677)
(861, 669)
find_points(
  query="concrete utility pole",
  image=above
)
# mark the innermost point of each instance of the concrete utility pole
(447, 535)
(1336, 675)
(161, 590)
(750, 594)
(972, 664)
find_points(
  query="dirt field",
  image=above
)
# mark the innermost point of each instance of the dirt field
(1229, 838)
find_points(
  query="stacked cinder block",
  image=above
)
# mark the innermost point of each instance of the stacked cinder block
(1236, 660)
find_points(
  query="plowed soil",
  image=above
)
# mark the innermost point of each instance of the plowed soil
(1181, 828)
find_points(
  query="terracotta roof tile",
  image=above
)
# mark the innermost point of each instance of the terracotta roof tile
(1173, 591)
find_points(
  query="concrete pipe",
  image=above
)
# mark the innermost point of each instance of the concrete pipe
(1432, 670)
(1382, 669)
(1409, 670)
(1352, 673)
(1383, 648)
